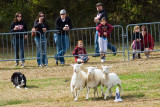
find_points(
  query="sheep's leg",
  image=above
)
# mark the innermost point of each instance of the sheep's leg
(87, 93)
(110, 92)
(75, 92)
(106, 92)
(76, 99)
(95, 90)
(120, 88)
(72, 91)
(102, 93)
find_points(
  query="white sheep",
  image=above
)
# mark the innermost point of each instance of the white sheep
(93, 79)
(78, 81)
(109, 80)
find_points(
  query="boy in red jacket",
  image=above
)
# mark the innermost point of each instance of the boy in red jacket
(80, 50)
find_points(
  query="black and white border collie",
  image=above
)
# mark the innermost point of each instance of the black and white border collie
(19, 80)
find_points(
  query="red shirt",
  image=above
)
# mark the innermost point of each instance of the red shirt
(104, 28)
(147, 41)
(78, 51)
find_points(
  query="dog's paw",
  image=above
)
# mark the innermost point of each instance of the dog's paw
(18, 87)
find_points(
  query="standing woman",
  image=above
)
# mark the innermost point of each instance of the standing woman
(41, 25)
(18, 25)
(63, 24)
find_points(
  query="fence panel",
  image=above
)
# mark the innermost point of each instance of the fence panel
(87, 35)
(7, 52)
(152, 28)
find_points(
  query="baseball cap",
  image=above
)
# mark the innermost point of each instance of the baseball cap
(63, 11)
(99, 4)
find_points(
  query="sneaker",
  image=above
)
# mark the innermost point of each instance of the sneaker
(56, 62)
(45, 65)
(39, 65)
(62, 63)
(115, 52)
(96, 55)
(22, 64)
(16, 64)
(102, 59)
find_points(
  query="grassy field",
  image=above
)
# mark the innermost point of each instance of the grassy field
(50, 86)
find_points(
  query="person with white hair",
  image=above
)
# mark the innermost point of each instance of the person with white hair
(63, 24)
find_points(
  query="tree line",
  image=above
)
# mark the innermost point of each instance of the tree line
(82, 12)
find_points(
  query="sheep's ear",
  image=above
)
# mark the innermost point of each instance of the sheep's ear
(72, 64)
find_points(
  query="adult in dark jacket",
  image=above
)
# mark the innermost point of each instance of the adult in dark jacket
(18, 25)
(101, 13)
(63, 24)
(41, 25)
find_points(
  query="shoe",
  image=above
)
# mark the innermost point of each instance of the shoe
(45, 65)
(96, 55)
(114, 54)
(16, 64)
(62, 63)
(22, 64)
(39, 65)
(102, 59)
(56, 62)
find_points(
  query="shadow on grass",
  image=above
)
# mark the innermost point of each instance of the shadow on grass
(32, 86)
(124, 97)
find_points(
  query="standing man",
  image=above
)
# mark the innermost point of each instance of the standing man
(101, 13)
(63, 24)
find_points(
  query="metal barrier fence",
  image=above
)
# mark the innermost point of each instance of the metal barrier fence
(87, 35)
(8, 46)
(153, 29)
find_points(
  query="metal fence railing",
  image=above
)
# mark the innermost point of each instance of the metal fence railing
(8, 46)
(152, 29)
(87, 35)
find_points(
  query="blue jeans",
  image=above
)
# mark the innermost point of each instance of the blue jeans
(18, 44)
(62, 44)
(41, 50)
(109, 45)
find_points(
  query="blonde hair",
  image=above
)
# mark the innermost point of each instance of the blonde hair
(80, 41)
(135, 28)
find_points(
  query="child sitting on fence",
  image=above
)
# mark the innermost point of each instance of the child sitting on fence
(104, 29)
(136, 45)
(80, 50)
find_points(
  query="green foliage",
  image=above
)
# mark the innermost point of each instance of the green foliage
(82, 12)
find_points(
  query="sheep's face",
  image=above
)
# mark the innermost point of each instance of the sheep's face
(76, 67)
(106, 69)
(91, 70)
